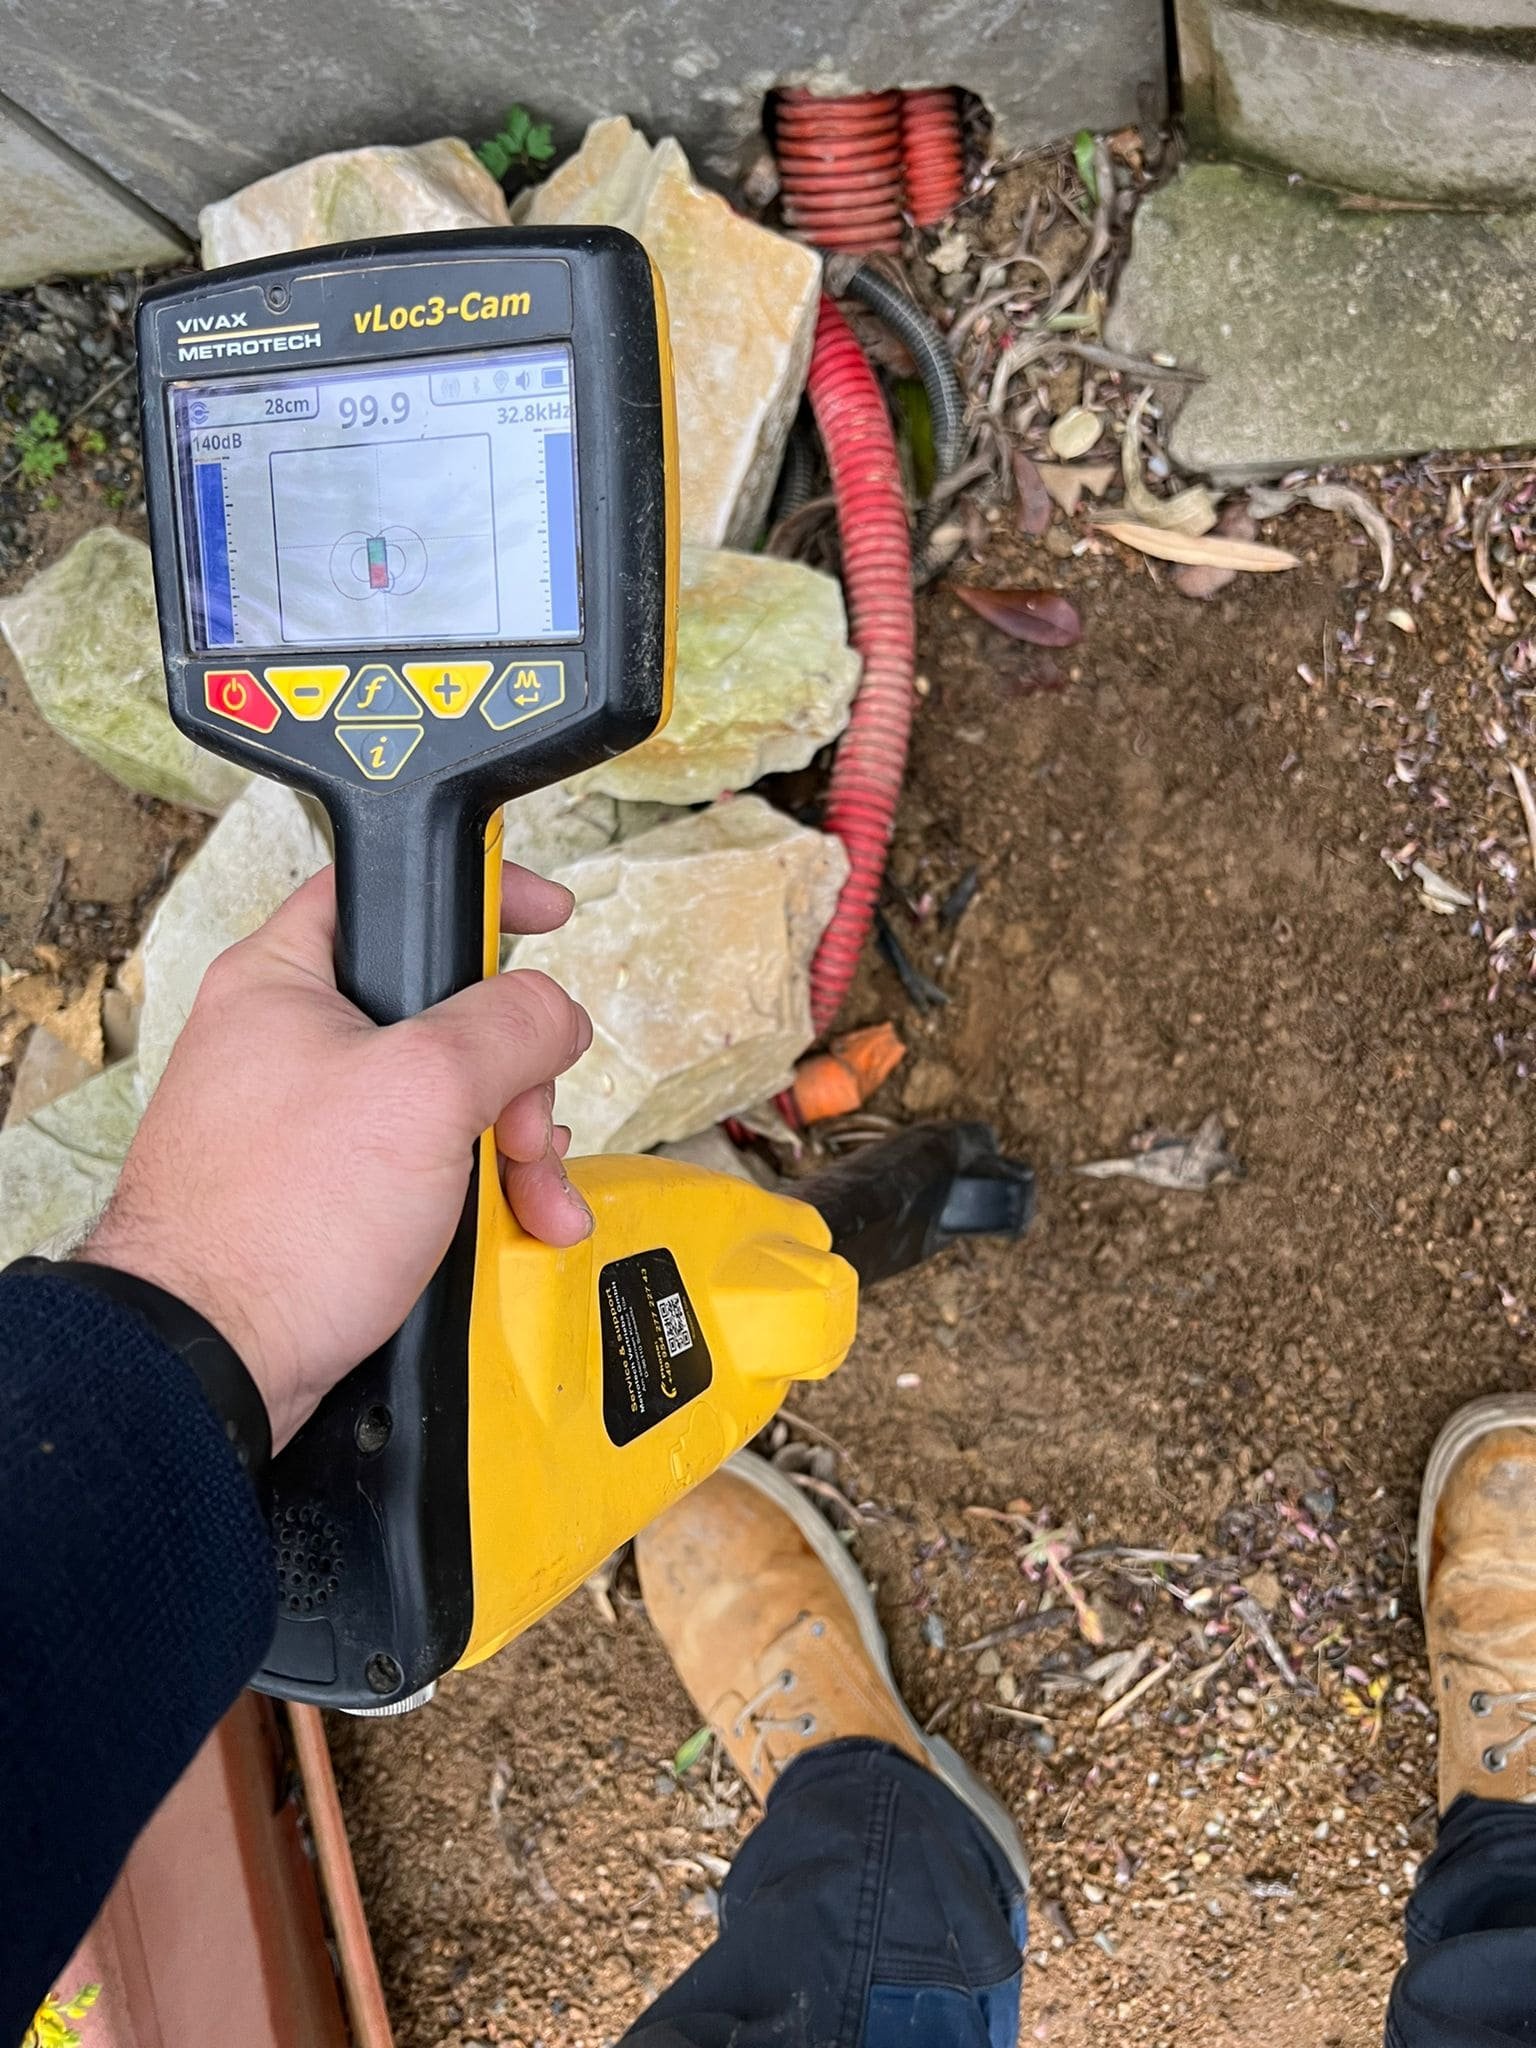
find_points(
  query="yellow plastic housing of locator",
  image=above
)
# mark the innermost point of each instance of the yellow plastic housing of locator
(551, 1495)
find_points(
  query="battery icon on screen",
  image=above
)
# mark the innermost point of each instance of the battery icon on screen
(553, 377)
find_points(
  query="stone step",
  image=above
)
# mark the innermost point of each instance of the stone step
(1406, 99)
(1328, 334)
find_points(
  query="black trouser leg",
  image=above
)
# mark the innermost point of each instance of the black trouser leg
(869, 1909)
(1470, 1928)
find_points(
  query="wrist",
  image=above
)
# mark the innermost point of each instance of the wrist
(124, 1251)
(226, 1383)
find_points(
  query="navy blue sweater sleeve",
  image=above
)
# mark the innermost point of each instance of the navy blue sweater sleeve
(136, 1599)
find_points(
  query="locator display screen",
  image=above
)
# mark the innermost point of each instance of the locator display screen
(421, 504)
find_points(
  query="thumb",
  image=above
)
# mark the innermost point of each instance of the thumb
(300, 934)
(497, 1039)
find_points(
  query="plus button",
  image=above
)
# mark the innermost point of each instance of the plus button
(450, 687)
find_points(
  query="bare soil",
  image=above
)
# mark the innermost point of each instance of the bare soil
(1183, 907)
(82, 860)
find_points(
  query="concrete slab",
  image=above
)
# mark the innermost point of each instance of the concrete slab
(1408, 99)
(63, 218)
(248, 90)
(1330, 334)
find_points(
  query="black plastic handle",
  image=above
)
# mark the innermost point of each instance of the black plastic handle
(410, 902)
(371, 1500)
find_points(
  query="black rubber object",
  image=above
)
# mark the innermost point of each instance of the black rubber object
(892, 1205)
(927, 348)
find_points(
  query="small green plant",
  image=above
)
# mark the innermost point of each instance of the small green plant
(520, 144)
(1084, 155)
(90, 441)
(696, 1747)
(51, 2028)
(40, 452)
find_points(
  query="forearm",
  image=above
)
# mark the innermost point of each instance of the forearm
(136, 1598)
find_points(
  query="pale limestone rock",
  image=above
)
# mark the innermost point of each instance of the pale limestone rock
(742, 306)
(644, 817)
(47, 1069)
(764, 679)
(713, 1150)
(58, 1168)
(690, 947)
(553, 826)
(263, 847)
(87, 636)
(353, 195)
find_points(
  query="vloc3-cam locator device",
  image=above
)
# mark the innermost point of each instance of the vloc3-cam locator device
(413, 511)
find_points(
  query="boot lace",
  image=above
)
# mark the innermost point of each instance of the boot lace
(1482, 1703)
(758, 1715)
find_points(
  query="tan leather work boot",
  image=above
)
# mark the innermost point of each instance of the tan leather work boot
(1477, 1586)
(774, 1633)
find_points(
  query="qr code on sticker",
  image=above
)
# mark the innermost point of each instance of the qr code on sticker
(674, 1324)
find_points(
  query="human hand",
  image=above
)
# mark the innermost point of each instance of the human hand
(300, 1171)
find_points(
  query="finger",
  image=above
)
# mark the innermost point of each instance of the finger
(487, 1045)
(544, 1202)
(529, 903)
(525, 1128)
(561, 1139)
(301, 933)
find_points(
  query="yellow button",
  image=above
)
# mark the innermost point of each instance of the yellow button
(381, 751)
(308, 692)
(524, 690)
(450, 687)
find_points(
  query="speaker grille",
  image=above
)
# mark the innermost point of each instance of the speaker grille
(307, 1547)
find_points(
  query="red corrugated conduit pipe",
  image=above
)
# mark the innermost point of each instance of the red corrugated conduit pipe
(840, 168)
(932, 153)
(871, 761)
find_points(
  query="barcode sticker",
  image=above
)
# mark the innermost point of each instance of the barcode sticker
(674, 1325)
(655, 1357)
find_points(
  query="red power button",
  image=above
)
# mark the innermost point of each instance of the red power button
(234, 693)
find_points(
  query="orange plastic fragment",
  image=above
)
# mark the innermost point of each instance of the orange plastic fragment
(844, 1077)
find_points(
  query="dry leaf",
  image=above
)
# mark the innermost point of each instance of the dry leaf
(1042, 617)
(1267, 503)
(1439, 895)
(1075, 433)
(1206, 550)
(1482, 536)
(1195, 580)
(1187, 1165)
(28, 999)
(952, 253)
(1138, 1692)
(78, 1024)
(1192, 510)
(1067, 482)
(1403, 620)
(1344, 498)
(33, 998)
(1035, 507)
